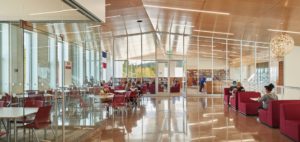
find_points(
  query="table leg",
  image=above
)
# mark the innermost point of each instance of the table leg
(15, 129)
(8, 131)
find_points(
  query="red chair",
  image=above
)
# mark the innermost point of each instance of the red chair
(30, 103)
(152, 88)
(290, 120)
(175, 89)
(160, 88)
(119, 102)
(2, 132)
(1, 103)
(8, 101)
(234, 101)
(271, 115)
(41, 120)
(144, 89)
(246, 105)
(33, 103)
(227, 95)
(133, 96)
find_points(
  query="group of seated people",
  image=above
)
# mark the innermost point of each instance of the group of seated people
(283, 114)
(268, 95)
(131, 85)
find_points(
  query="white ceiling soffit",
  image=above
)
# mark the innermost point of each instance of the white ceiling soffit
(38, 10)
(94, 9)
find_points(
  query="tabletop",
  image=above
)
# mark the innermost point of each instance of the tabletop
(16, 112)
(254, 99)
(102, 96)
(120, 91)
(26, 95)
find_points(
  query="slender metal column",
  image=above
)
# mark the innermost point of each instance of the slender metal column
(62, 86)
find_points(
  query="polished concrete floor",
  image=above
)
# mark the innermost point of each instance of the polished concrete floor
(180, 119)
(172, 118)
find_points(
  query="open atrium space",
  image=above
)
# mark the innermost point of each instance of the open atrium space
(149, 70)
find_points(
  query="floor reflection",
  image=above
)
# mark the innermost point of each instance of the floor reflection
(180, 119)
(160, 119)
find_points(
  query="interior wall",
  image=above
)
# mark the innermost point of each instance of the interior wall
(291, 74)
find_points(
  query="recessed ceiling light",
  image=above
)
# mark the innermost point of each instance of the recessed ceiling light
(191, 26)
(283, 31)
(115, 16)
(213, 32)
(52, 12)
(189, 10)
(94, 26)
(77, 32)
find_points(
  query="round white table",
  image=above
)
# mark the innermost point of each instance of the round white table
(120, 91)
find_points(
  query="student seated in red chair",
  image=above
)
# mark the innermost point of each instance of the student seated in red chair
(237, 88)
(233, 86)
(175, 87)
(268, 96)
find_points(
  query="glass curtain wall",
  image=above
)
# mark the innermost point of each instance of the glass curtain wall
(11, 53)
(165, 58)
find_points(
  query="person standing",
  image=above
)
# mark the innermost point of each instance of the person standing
(202, 81)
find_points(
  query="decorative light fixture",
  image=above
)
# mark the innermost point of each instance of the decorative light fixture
(281, 44)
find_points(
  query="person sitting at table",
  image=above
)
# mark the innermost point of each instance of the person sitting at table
(102, 83)
(133, 87)
(139, 87)
(268, 96)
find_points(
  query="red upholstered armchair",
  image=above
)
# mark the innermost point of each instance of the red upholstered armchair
(234, 101)
(152, 88)
(144, 89)
(160, 88)
(226, 96)
(246, 105)
(290, 120)
(271, 115)
(175, 89)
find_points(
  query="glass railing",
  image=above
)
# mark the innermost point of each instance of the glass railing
(288, 92)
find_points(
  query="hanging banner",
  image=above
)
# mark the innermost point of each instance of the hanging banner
(68, 73)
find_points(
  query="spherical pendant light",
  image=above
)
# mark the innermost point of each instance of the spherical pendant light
(280, 45)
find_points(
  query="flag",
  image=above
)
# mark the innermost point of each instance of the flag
(104, 65)
(104, 56)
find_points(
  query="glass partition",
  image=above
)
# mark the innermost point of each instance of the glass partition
(120, 71)
(219, 66)
(235, 48)
(248, 66)
(163, 76)
(148, 46)
(120, 48)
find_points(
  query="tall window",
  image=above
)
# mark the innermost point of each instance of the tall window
(77, 62)
(87, 64)
(4, 54)
(62, 47)
(52, 60)
(30, 61)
